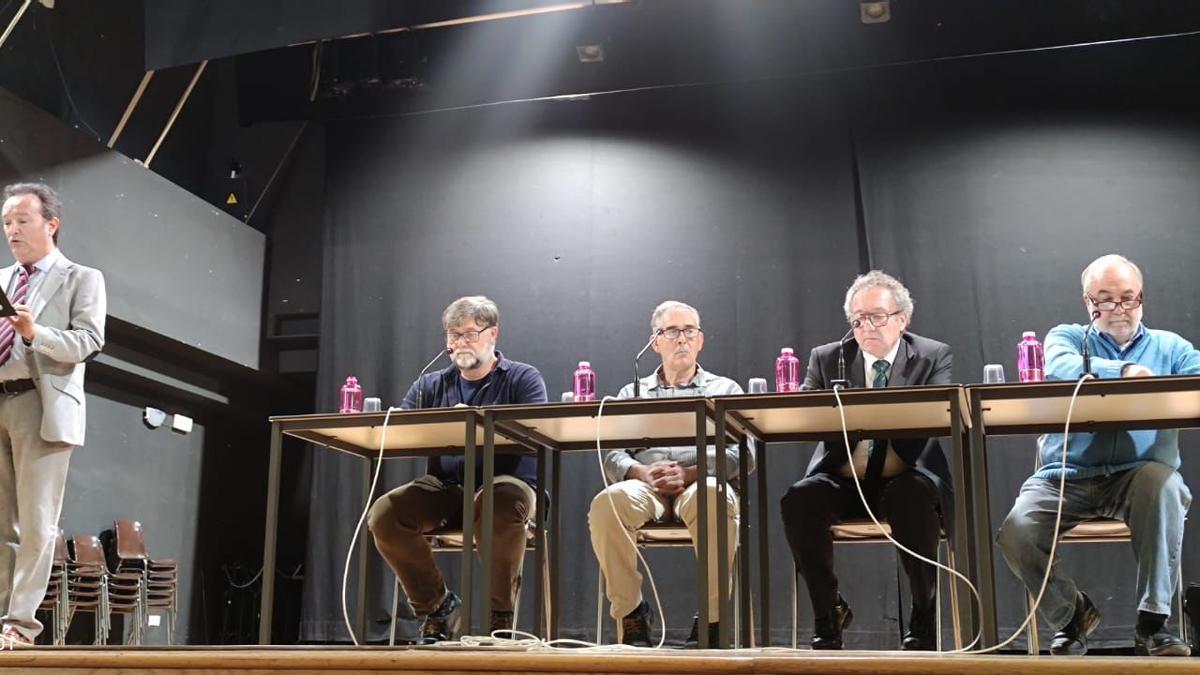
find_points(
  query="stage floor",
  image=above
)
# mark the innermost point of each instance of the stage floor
(325, 660)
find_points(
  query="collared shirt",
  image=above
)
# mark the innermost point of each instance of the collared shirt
(893, 465)
(17, 368)
(703, 383)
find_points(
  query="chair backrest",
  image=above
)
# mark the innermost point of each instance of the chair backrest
(60, 547)
(131, 540)
(88, 550)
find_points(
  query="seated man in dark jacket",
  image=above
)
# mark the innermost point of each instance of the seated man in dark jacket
(480, 375)
(906, 481)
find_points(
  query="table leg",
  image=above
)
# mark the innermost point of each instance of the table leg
(267, 601)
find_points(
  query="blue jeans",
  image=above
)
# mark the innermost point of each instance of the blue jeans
(1151, 499)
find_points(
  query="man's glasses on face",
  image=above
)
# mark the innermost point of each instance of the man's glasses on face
(1111, 305)
(470, 337)
(878, 320)
(689, 333)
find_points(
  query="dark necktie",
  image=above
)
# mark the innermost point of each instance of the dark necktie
(877, 449)
(7, 334)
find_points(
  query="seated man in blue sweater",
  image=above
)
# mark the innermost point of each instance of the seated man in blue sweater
(1128, 475)
(399, 520)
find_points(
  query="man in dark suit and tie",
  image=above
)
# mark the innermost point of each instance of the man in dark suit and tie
(906, 481)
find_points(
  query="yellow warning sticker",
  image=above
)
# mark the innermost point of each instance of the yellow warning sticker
(231, 199)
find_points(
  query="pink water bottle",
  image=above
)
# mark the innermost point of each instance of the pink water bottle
(585, 382)
(787, 371)
(1030, 358)
(352, 396)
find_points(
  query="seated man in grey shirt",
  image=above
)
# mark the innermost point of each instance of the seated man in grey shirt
(659, 484)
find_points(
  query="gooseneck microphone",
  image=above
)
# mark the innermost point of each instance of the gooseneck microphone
(841, 381)
(1087, 355)
(637, 378)
(420, 389)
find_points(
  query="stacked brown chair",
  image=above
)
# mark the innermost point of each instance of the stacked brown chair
(104, 592)
(55, 601)
(159, 577)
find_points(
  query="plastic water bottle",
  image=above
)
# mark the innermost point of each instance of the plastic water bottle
(585, 382)
(787, 371)
(352, 396)
(1030, 358)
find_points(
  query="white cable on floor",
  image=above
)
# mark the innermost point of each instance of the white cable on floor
(363, 517)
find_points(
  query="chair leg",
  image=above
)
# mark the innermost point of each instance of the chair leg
(937, 598)
(952, 580)
(1183, 634)
(600, 609)
(1034, 647)
(395, 608)
(795, 611)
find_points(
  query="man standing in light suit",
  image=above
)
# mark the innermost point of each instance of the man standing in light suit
(58, 326)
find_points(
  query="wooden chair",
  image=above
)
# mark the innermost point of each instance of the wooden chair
(159, 577)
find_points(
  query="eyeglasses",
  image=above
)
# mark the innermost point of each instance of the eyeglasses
(470, 337)
(673, 333)
(877, 320)
(1110, 305)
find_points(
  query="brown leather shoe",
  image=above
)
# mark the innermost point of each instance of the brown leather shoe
(11, 638)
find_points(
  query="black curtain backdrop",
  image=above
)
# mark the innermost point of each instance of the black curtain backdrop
(987, 199)
(577, 219)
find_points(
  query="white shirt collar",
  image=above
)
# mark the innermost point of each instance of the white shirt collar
(869, 363)
(48, 261)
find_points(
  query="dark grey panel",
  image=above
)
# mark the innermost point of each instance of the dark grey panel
(173, 264)
(129, 471)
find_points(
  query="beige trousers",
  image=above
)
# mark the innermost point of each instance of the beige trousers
(636, 504)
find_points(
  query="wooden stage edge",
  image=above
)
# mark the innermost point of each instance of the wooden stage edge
(321, 660)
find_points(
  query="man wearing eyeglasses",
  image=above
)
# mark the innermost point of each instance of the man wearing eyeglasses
(1132, 476)
(906, 481)
(659, 484)
(399, 520)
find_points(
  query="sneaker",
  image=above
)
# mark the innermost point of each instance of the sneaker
(501, 621)
(1072, 639)
(635, 627)
(443, 624)
(828, 633)
(693, 640)
(1149, 638)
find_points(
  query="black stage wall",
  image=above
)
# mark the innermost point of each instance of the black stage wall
(987, 199)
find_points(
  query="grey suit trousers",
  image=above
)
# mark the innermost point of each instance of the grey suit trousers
(33, 475)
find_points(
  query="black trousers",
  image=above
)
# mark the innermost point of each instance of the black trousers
(908, 502)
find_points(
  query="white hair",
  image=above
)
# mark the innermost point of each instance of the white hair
(668, 306)
(879, 279)
(1104, 262)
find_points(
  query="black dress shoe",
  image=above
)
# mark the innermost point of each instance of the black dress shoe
(828, 633)
(1149, 638)
(922, 632)
(714, 634)
(635, 626)
(443, 624)
(1072, 639)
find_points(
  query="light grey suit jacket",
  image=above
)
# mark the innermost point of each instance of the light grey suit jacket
(69, 309)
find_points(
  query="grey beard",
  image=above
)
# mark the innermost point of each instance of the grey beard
(460, 357)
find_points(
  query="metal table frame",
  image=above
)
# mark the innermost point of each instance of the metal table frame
(739, 412)
(1098, 408)
(314, 428)
(520, 423)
